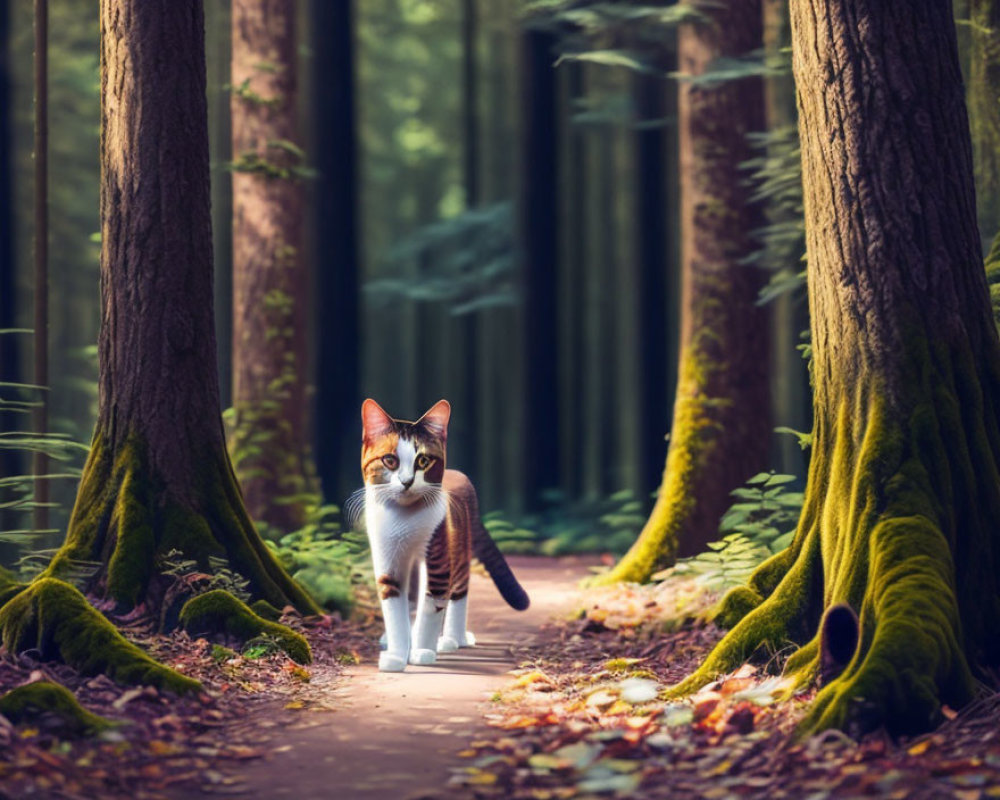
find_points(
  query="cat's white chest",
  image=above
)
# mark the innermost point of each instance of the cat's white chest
(400, 533)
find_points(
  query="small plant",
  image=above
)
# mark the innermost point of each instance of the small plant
(261, 647)
(220, 576)
(330, 562)
(760, 524)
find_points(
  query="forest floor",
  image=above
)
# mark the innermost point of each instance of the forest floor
(558, 702)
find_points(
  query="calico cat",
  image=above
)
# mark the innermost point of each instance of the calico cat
(423, 525)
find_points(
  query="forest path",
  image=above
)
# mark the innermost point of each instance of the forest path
(396, 735)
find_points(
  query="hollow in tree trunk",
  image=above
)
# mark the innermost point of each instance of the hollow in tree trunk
(721, 421)
(899, 521)
(158, 478)
(270, 311)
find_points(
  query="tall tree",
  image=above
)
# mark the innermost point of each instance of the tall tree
(721, 422)
(40, 418)
(539, 229)
(10, 462)
(270, 287)
(158, 478)
(904, 483)
(335, 247)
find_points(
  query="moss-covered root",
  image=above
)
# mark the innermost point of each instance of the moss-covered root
(126, 517)
(219, 612)
(54, 618)
(29, 703)
(911, 661)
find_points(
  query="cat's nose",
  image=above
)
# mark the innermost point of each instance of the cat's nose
(409, 483)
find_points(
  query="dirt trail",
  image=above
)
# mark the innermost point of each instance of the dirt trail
(395, 735)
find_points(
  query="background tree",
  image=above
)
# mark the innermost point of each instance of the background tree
(270, 312)
(721, 424)
(158, 478)
(334, 247)
(903, 488)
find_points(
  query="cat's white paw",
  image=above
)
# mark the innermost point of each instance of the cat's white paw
(470, 640)
(383, 641)
(421, 656)
(447, 645)
(390, 662)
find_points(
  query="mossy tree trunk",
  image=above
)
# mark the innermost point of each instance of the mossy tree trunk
(158, 477)
(721, 425)
(270, 310)
(903, 493)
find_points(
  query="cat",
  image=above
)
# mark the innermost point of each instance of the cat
(423, 525)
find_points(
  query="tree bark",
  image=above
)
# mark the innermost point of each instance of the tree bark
(721, 423)
(540, 232)
(904, 487)
(269, 442)
(335, 249)
(158, 478)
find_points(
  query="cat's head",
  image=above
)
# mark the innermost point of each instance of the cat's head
(404, 461)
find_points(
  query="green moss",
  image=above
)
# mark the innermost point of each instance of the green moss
(124, 516)
(28, 703)
(54, 618)
(897, 524)
(130, 566)
(219, 612)
(737, 603)
(265, 610)
(189, 533)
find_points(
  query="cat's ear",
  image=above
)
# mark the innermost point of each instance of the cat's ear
(375, 422)
(436, 418)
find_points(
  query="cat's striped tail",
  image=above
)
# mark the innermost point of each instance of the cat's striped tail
(489, 555)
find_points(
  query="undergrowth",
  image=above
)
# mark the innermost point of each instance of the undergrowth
(330, 561)
(758, 525)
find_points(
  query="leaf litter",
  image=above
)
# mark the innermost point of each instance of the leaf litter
(584, 717)
(161, 744)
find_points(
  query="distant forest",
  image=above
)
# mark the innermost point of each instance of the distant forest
(491, 212)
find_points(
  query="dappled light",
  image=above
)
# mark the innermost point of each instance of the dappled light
(544, 400)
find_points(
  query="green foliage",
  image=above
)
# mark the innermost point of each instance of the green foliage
(466, 262)
(330, 562)
(17, 492)
(776, 175)
(74, 126)
(220, 576)
(759, 525)
(607, 525)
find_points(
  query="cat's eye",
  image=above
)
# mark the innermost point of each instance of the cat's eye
(390, 461)
(424, 461)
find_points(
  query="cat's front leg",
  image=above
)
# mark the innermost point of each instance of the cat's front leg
(426, 623)
(395, 613)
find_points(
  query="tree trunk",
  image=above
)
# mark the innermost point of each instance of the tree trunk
(10, 460)
(539, 229)
(270, 312)
(158, 478)
(335, 245)
(721, 424)
(903, 490)
(40, 417)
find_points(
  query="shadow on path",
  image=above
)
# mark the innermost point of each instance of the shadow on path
(396, 735)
